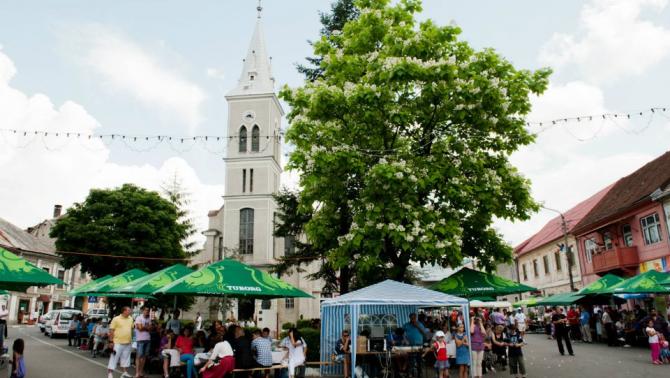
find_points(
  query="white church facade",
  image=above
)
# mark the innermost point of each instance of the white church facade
(244, 224)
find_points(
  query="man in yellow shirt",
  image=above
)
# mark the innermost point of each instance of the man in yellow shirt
(120, 338)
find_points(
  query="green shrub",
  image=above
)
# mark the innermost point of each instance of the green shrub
(304, 324)
(287, 325)
(313, 339)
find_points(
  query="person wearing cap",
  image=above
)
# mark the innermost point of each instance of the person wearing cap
(441, 356)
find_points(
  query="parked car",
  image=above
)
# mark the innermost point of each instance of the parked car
(96, 313)
(59, 322)
(41, 323)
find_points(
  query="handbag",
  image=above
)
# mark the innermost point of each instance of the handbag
(451, 348)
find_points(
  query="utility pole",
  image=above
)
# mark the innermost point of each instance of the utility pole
(564, 228)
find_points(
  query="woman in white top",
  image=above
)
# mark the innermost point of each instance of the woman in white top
(297, 350)
(653, 343)
(223, 353)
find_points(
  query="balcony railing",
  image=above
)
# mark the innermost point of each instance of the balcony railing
(617, 258)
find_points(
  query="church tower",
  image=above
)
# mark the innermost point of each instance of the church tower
(253, 157)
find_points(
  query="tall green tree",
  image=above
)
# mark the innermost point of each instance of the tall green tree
(124, 222)
(403, 144)
(291, 219)
(341, 12)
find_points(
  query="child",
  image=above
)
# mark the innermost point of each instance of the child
(462, 352)
(653, 343)
(18, 364)
(441, 357)
(514, 343)
(665, 349)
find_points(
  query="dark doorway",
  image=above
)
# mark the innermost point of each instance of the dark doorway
(245, 309)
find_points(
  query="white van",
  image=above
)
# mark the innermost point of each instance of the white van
(60, 322)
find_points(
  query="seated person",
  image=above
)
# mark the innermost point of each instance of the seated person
(398, 338)
(100, 337)
(168, 352)
(184, 345)
(221, 362)
(242, 348)
(343, 352)
(262, 351)
(200, 342)
(266, 333)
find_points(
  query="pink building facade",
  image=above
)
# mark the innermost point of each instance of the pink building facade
(627, 232)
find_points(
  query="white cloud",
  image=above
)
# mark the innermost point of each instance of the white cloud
(39, 172)
(215, 73)
(127, 67)
(570, 162)
(613, 40)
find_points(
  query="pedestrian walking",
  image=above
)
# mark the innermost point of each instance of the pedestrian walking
(18, 363)
(198, 322)
(584, 320)
(477, 336)
(608, 324)
(653, 343)
(520, 321)
(120, 338)
(72, 327)
(174, 324)
(143, 339)
(561, 331)
(514, 342)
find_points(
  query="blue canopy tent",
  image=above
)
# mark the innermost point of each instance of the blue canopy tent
(388, 304)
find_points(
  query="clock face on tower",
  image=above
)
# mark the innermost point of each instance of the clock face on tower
(249, 116)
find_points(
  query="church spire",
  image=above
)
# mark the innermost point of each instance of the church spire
(256, 76)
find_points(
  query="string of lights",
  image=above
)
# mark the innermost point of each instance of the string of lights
(218, 144)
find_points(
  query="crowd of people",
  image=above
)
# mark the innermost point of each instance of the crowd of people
(495, 338)
(192, 351)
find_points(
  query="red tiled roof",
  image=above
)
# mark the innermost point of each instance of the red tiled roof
(629, 192)
(553, 229)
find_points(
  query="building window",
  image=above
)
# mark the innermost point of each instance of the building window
(590, 247)
(545, 260)
(251, 181)
(557, 257)
(289, 245)
(243, 139)
(220, 247)
(247, 231)
(651, 228)
(61, 276)
(46, 269)
(266, 304)
(244, 180)
(289, 303)
(607, 240)
(255, 138)
(535, 270)
(627, 235)
(525, 272)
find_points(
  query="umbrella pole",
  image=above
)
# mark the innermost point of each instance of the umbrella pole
(174, 304)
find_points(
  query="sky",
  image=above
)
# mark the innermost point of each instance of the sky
(162, 67)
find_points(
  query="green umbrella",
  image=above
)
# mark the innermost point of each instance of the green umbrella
(17, 274)
(528, 302)
(233, 279)
(561, 299)
(469, 283)
(601, 285)
(154, 281)
(105, 288)
(83, 288)
(645, 283)
(4, 292)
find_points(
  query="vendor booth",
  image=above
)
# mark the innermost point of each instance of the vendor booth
(377, 310)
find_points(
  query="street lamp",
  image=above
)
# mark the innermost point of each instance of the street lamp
(564, 228)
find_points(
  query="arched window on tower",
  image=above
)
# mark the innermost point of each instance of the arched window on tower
(246, 231)
(255, 138)
(243, 139)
